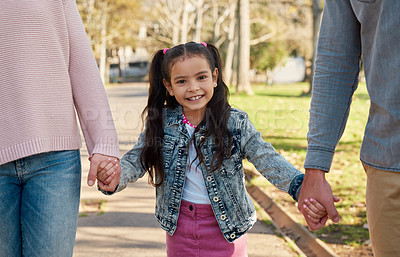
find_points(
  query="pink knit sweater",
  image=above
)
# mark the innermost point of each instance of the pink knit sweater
(46, 69)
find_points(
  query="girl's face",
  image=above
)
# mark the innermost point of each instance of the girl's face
(192, 84)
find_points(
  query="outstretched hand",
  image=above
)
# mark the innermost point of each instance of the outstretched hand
(316, 187)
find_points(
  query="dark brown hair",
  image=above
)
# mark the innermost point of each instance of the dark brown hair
(216, 116)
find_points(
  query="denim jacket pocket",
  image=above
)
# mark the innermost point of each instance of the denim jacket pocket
(231, 168)
(233, 164)
(167, 150)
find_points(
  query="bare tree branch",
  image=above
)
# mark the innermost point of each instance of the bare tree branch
(263, 38)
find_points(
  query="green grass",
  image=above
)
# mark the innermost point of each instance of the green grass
(101, 207)
(95, 206)
(280, 113)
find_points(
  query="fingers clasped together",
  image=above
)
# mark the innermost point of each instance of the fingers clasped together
(108, 174)
(316, 200)
(106, 169)
(315, 213)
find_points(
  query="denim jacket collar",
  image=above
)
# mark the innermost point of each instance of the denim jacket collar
(174, 117)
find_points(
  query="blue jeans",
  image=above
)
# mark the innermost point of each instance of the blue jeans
(39, 204)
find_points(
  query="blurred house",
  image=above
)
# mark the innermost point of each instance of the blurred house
(293, 70)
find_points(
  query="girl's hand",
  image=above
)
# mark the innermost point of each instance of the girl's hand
(95, 160)
(315, 210)
(107, 171)
(108, 175)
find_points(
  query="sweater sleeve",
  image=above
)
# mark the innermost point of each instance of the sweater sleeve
(90, 98)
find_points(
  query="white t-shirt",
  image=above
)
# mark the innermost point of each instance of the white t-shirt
(195, 190)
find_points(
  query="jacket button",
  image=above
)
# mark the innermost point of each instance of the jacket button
(215, 199)
(232, 236)
(223, 217)
(209, 178)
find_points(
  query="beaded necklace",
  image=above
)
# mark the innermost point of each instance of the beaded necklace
(186, 121)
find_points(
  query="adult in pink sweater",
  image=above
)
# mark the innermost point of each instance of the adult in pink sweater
(47, 72)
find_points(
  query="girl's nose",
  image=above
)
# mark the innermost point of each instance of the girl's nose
(193, 86)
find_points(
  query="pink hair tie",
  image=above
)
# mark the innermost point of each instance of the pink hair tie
(165, 50)
(204, 44)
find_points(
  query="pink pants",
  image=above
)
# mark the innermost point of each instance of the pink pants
(198, 234)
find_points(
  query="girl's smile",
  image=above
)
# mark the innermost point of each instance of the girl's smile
(194, 98)
(192, 83)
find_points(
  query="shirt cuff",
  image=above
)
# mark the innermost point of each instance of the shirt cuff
(318, 158)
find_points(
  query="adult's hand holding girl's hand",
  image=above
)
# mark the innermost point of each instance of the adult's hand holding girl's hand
(315, 186)
(107, 181)
(108, 175)
(317, 214)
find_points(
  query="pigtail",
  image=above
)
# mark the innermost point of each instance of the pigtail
(151, 156)
(218, 64)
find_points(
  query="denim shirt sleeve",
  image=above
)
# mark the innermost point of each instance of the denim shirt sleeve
(273, 166)
(335, 80)
(131, 169)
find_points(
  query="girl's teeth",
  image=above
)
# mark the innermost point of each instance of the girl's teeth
(194, 98)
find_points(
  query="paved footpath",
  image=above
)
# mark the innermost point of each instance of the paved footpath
(128, 227)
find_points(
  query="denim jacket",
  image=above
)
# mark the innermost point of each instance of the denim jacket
(352, 29)
(229, 199)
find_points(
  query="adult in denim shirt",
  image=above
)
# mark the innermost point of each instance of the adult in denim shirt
(351, 30)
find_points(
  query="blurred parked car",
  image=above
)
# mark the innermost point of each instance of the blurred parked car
(136, 71)
(114, 73)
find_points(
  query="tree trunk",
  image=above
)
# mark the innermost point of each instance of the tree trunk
(231, 44)
(175, 36)
(199, 20)
(176, 25)
(244, 48)
(235, 73)
(317, 13)
(89, 20)
(103, 49)
(185, 21)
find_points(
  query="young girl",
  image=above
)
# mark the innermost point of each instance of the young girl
(192, 148)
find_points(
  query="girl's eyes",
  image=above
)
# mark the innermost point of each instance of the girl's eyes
(182, 81)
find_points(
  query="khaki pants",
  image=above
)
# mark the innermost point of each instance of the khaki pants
(383, 211)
